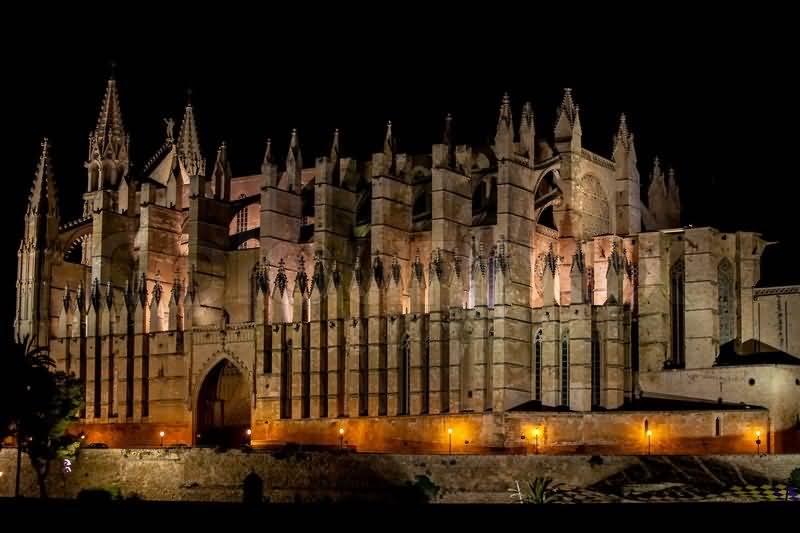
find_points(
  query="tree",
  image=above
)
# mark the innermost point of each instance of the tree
(36, 406)
(794, 481)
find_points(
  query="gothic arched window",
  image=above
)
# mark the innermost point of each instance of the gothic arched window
(537, 366)
(241, 218)
(676, 276)
(565, 369)
(405, 377)
(727, 308)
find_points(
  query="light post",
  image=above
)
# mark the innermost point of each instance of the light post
(341, 438)
(536, 440)
(649, 437)
(249, 433)
(450, 438)
(524, 447)
(161, 434)
(758, 442)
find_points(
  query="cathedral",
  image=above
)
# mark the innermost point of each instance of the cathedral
(530, 296)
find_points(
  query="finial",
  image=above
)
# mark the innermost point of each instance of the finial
(113, 70)
(189, 97)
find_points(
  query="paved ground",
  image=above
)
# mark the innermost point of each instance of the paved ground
(681, 479)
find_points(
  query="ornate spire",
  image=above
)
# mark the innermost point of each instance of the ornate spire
(280, 278)
(66, 299)
(294, 163)
(527, 131)
(568, 107)
(377, 269)
(189, 153)
(578, 260)
(505, 118)
(110, 131)
(268, 159)
(503, 258)
(175, 291)
(418, 269)
(504, 136)
(390, 150)
(94, 296)
(615, 259)
(318, 279)
(222, 173)
(336, 276)
(262, 275)
(301, 279)
(551, 260)
(158, 290)
(335, 145)
(437, 263)
(448, 139)
(43, 198)
(396, 271)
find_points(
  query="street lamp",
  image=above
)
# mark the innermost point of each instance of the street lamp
(450, 438)
(758, 442)
(649, 436)
(341, 438)
(161, 434)
(536, 440)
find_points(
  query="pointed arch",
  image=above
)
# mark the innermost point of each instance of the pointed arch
(727, 302)
(677, 314)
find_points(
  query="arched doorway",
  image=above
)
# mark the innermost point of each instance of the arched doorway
(223, 407)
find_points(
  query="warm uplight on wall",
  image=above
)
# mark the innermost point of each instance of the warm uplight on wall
(758, 442)
(649, 438)
(341, 438)
(450, 439)
(161, 434)
(536, 433)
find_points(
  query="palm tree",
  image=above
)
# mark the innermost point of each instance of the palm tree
(24, 359)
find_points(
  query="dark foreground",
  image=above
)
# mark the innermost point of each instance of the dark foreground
(376, 518)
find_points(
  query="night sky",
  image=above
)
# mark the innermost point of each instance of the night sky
(718, 108)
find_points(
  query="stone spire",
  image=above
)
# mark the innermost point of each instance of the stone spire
(43, 198)
(110, 133)
(334, 158)
(301, 279)
(107, 160)
(577, 276)
(189, 153)
(526, 132)
(504, 136)
(623, 139)
(389, 151)
(222, 174)
(657, 190)
(550, 274)
(568, 125)
(448, 140)
(280, 278)
(294, 164)
(268, 159)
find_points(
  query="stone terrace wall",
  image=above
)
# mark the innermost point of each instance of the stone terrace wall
(204, 475)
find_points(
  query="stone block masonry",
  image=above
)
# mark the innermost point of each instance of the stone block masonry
(205, 475)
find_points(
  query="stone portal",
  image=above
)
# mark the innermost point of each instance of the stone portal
(223, 407)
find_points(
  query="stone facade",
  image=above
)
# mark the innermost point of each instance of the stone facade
(459, 284)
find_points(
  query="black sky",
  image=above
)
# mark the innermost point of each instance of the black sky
(713, 98)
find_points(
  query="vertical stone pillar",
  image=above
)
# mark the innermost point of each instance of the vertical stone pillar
(439, 329)
(701, 297)
(377, 331)
(653, 301)
(338, 377)
(417, 332)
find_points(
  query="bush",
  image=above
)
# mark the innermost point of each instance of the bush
(540, 491)
(426, 488)
(100, 494)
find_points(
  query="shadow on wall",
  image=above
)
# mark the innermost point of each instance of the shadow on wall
(349, 477)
